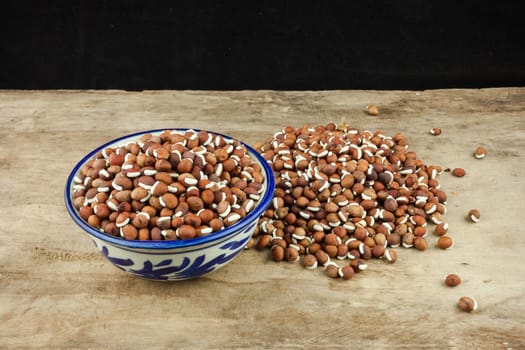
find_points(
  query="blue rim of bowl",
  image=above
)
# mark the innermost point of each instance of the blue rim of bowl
(263, 203)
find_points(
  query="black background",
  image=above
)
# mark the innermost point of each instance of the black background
(138, 45)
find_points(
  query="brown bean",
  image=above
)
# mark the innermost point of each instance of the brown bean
(171, 177)
(186, 232)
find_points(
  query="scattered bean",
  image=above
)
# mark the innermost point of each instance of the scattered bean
(342, 193)
(467, 304)
(310, 261)
(332, 270)
(372, 110)
(346, 272)
(277, 253)
(420, 243)
(452, 280)
(435, 131)
(390, 255)
(441, 229)
(459, 172)
(474, 215)
(480, 152)
(444, 242)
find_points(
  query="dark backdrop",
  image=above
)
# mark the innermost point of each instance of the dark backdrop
(135, 45)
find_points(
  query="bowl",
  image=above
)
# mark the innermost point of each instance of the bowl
(172, 260)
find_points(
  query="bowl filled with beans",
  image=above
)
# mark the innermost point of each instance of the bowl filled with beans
(170, 204)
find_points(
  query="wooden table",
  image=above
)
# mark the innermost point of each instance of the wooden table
(58, 292)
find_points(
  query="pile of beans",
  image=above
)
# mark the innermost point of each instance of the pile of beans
(346, 194)
(174, 185)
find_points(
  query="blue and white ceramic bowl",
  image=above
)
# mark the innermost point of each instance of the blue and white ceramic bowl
(177, 259)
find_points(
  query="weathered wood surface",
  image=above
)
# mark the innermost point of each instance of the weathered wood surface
(57, 292)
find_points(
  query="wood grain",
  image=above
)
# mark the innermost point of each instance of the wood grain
(57, 292)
